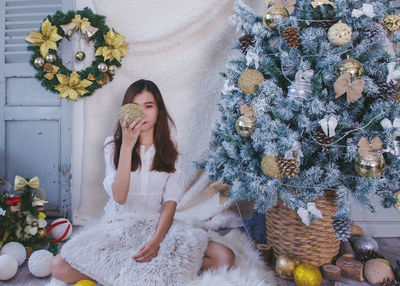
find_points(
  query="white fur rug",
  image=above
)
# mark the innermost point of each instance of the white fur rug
(249, 269)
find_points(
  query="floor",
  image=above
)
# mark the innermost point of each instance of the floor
(390, 249)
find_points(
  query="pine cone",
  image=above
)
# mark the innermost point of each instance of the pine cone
(291, 36)
(390, 282)
(370, 254)
(374, 31)
(342, 228)
(327, 23)
(397, 97)
(387, 91)
(291, 167)
(245, 41)
(323, 139)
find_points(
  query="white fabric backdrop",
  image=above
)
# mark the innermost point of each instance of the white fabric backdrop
(181, 45)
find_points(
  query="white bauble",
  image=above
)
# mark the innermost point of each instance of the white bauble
(39, 263)
(339, 34)
(15, 249)
(8, 266)
(59, 230)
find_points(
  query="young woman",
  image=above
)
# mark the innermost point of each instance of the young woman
(143, 166)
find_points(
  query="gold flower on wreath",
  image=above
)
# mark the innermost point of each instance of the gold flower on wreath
(116, 46)
(72, 87)
(46, 39)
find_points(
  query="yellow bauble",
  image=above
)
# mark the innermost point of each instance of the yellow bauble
(245, 125)
(351, 66)
(270, 167)
(85, 283)
(339, 34)
(132, 110)
(371, 166)
(249, 80)
(397, 205)
(273, 13)
(286, 264)
(307, 274)
(392, 22)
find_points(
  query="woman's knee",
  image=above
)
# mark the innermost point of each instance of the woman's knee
(59, 267)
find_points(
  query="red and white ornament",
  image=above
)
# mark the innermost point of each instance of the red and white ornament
(60, 230)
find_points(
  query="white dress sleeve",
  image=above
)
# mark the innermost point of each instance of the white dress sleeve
(111, 172)
(175, 185)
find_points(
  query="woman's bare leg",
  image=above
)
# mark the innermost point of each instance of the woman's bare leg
(217, 255)
(62, 271)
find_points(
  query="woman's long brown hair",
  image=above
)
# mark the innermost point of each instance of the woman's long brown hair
(166, 151)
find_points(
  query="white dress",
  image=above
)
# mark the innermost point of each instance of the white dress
(148, 188)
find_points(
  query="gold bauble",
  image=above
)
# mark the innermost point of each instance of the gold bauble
(273, 13)
(102, 67)
(249, 79)
(286, 264)
(371, 166)
(245, 125)
(392, 22)
(80, 55)
(270, 167)
(112, 69)
(397, 205)
(85, 283)
(339, 34)
(51, 58)
(132, 110)
(351, 66)
(307, 274)
(38, 62)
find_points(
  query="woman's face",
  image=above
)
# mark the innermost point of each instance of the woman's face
(146, 101)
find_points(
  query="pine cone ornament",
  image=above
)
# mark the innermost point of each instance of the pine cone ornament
(323, 139)
(374, 31)
(342, 228)
(387, 91)
(390, 282)
(246, 41)
(370, 254)
(290, 167)
(291, 36)
(326, 23)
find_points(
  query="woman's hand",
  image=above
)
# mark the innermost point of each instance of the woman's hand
(148, 251)
(130, 133)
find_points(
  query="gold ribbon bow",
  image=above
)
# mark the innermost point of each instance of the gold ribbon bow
(322, 2)
(289, 5)
(81, 24)
(20, 182)
(222, 189)
(353, 89)
(365, 146)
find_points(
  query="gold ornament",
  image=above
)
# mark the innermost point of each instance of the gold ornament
(286, 265)
(372, 165)
(102, 67)
(51, 70)
(397, 205)
(249, 80)
(316, 3)
(46, 39)
(116, 46)
(351, 66)
(72, 87)
(112, 69)
(272, 14)
(392, 22)
(132, 110)
(38, 62)
(245, 125)
(339, 34)
(81, 24)
(270, 167)
(307, 274)
(80, 55)
(51, 58)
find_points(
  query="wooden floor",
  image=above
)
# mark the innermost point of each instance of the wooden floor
(389, 248)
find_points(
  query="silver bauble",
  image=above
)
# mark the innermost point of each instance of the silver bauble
(365, 244)
(102, 67)
(38, 62)
(51, 58)
(112, 69)
(245, 125)
(301, 88)
(80, 56)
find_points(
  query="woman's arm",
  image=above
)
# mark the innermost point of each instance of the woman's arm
(150, 249)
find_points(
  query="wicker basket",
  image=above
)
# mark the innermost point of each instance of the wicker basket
(29, 252)
(316, 244)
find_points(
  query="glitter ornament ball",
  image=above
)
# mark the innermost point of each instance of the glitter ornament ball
(392, 22)
(80, 56)
(286, 264)
(365, 244)
(60, 232)
(307, 274)
(272, 14)
(132, 110)
(39, 263)
(245, 125)
(372, 166)
(8, 266)
(351, 66)
(15, 249)
(339, 34)
(249, 80)
(270, 167)
(38, 62)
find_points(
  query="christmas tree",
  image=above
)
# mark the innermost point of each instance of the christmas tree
(312, 104)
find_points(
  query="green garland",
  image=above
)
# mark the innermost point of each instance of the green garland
(91, 73)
